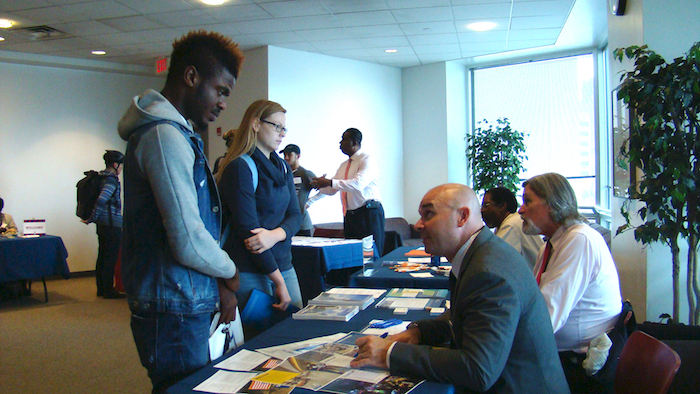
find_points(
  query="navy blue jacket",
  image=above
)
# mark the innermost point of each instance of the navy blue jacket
(273, 204)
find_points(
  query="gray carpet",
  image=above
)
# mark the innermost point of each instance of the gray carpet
(75, 343)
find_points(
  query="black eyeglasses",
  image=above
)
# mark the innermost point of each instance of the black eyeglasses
(278, 127)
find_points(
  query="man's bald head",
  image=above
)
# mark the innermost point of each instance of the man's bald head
(450, 214)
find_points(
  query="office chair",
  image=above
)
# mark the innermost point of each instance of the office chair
(646, 365)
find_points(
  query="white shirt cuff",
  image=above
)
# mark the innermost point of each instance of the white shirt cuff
(388, 354)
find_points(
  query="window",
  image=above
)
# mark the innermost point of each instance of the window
(553, 103)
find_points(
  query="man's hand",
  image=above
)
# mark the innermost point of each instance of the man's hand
(228, 302)
(411, 336)
(372, 352)
(262, 240)
(321, 182)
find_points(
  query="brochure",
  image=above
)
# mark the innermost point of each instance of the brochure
(325, 312)
(410, 303)
(363, 301)
(418, 293)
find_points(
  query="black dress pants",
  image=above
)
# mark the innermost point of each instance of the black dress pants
(109, 238)
(366, 220)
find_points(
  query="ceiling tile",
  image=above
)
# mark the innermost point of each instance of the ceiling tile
(157, 6)
(16, 5)
(184, 18)
(482, 11)
(432, 14)
(384, 42)
(283, 9)
(537, 22)
(276, 38)
(428, 28)
(501, 24)
(537, 34)
(342, 6)
(324, 34)
(398, 4)
(483, 36)
(375, 31)
(86, 28)
(433, 39)
(441, 48)
(366, 18)
(99, 10)
(245, 12)
(309, 22)
(132, 23)
(336, 45)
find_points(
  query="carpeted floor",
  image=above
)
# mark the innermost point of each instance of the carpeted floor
(75, 343)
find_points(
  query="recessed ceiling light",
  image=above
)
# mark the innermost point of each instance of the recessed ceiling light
(391, 50)
(6, 23)
(2, 38)
(481, 26)
(213, 2)
(99, 52)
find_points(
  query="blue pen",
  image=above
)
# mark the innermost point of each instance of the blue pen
(386, 334)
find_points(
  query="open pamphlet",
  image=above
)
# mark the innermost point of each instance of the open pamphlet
(323, 366)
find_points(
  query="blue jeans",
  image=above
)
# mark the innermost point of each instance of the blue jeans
(250, 281)
(171, 346)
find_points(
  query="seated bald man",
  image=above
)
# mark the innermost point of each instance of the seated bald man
(500, 337)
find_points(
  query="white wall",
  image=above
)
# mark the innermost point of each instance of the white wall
(323, 97)
(326, 95)
(56, 124)
(435, 122)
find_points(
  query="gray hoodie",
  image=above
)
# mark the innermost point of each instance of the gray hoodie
(165, 159)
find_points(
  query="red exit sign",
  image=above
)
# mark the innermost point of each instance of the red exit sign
(161, 65)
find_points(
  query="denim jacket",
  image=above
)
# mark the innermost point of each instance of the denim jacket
(171, 253)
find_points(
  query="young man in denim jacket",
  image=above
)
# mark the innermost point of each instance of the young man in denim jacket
(174, 271)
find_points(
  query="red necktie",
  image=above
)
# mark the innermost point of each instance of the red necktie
(545, 260)
(344, 195)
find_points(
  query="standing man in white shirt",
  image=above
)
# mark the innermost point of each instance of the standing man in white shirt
(575, 272)
(498, 209)
(358, 181)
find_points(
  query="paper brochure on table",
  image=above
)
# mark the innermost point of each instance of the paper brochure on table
(376, 293)
(395, 329)
(292, 349)
(321, 241)
(225, 382)
(366, 382)
(244, 360)
(421, 274)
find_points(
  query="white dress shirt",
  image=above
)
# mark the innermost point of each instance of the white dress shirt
(361, 183)
(580, 286)
(511, 231)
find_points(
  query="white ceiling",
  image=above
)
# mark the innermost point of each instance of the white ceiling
(423, 31)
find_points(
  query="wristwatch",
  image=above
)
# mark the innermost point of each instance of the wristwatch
(413, 324)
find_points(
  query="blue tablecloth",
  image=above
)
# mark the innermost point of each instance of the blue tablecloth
(291, 330)
(32, 258)
(384, 277)
(313, 262)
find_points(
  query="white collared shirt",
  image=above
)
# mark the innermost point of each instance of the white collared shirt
(511, 231)
(362, 183)
(580, 286)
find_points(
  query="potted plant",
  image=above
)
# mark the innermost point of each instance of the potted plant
(496, 155)
(664, 142)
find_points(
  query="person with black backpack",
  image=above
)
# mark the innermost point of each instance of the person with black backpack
(107, 215)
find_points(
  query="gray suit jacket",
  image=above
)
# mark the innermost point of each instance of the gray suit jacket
(498, 326)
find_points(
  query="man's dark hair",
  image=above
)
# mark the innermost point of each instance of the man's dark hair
(113, 156)
(2, 204)
(208, 52)
(354, 135)
(501, 195)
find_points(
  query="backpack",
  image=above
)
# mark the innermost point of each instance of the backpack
(89, 189)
